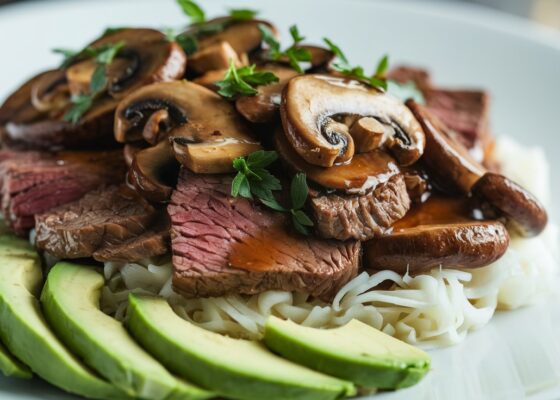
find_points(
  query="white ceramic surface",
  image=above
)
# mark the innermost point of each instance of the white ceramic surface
(518, 354)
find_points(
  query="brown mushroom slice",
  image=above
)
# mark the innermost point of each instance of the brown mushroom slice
(265, 105)
(216, 56)
(154, 172)
(454, 245)
(243, 36)
(209, 79)
(311, 105)
(448, 161)
(130, 150)
(50, 92)
(204, 129)
(364, 172)
(147, 57)
(502, 197)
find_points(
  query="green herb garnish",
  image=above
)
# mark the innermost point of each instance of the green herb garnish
(342, 65)
(187, 41)
(242, 14)
(294, 53)
(243, 81)
(104, 55)
(192, 10)
(254, 180)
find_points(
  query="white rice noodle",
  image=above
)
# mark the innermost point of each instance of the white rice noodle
(432, 310)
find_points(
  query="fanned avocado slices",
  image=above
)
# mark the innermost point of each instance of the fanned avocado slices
(355, 351)
(27, 335)
(238, 369)
(70, 300)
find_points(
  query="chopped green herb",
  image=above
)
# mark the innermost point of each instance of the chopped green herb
(104, 55)
(242, 14)
(187, 41)
(342, 65)
(254, 180)
(192, 10)
(243, 81)
(294, 54)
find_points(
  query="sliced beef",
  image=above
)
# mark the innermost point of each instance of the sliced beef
(225, 245)
(34, 184)
(114, 224)
(466, 112)
(361, 217)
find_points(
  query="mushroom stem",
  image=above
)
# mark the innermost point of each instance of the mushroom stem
(367, 133)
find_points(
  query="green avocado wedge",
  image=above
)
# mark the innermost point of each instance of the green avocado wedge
(25, 332)
(70, 301)
(234, 368)
(355, 352)
(9, 366)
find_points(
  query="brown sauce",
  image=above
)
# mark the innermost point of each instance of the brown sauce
(438, 209)
(269, 247)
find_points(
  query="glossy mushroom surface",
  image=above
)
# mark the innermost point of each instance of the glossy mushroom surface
(204, 130)
(500, 196)
(439, 232)
(313, 113)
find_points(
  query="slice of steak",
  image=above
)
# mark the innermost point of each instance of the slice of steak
(224, 245)
(465, 112)
(105, 223)
(405, 74)
(361, 216)
(35, 184)
(153, 242)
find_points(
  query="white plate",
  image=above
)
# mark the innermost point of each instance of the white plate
(518, 354)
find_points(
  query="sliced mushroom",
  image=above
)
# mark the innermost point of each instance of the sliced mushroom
(418, 249)
(439, 232)
(312, 106)
(154, 172)
(205, 131)
(216, 56)
(502, 197)
(209, 79)
(32, 120)
(366, 171)
(130, 150)
(265, 105)
(449, 162)
(243, 36)
(147, 57)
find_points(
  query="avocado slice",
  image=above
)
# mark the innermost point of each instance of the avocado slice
(10, 366)
(238, 369)
(356, 352)
(70, 301)
(26, 334)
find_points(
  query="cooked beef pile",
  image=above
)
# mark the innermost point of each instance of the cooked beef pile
(114, 223)
(33, 183)
(234, 245)
(260, 171)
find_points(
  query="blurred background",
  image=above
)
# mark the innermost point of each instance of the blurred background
(546, 12)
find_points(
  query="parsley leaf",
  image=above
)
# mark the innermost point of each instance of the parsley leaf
(242, 14)
(243, 81)
(187, 41)
(294, 54)
(104, 55)
(253, 179)
(192, 10)
(342, 65)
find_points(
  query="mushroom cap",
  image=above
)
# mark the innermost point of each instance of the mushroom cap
(524, 212)
(439, 232)
(205, 131)
(310, 102)
(146, 57)
(364, 172)
(448, 162)
(418, 249)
